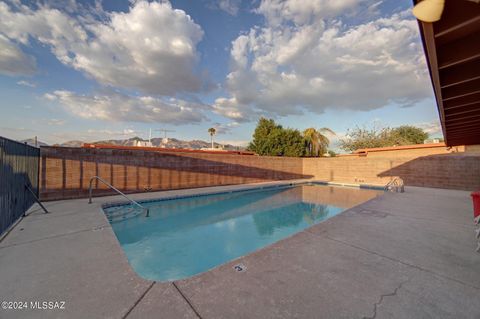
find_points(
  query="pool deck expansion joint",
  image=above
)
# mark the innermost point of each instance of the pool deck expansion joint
(139, 299)
(186, 300)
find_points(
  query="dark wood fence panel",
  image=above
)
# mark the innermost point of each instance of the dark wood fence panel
(19, 167)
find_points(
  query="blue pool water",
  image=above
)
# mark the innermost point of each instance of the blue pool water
(184, 237)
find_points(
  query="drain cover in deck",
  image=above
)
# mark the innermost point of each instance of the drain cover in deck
(240, 267)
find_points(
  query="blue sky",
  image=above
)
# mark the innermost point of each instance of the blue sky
(96, 70)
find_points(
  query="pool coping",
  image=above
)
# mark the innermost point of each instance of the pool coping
(253, 186)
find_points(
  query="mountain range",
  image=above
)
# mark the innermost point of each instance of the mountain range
(156, 142)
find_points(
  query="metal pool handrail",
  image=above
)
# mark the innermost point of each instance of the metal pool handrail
(115, 189)
(395, 184)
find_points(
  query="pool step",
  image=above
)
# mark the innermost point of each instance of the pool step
(116, 214)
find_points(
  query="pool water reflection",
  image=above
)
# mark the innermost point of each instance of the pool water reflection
(184, 237)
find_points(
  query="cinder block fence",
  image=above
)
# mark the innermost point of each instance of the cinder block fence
(66, 172)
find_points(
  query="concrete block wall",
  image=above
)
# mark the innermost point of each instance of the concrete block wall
(451, 171)
(417, 152)
(65, 172)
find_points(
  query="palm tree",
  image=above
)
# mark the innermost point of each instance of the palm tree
(317, 142)
(212, 132)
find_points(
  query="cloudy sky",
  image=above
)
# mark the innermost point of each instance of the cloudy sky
(114, 69)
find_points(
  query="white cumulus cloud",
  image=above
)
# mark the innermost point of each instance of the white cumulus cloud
(225, 128)
(230, 108)
(151, 48)
(432, 128)
(114, 106)
(230, 6)
(58, 122)
(26, 83)
(304, 11)
(13, 61)
(304, 59)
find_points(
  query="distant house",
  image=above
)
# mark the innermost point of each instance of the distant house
(217, 148)
(433, 141)
(139, 143)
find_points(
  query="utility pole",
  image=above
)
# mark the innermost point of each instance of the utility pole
(165, 139)
(164, 131)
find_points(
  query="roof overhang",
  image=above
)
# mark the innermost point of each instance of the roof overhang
(452, 49)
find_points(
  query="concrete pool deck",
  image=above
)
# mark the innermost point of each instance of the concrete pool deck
(400, 255)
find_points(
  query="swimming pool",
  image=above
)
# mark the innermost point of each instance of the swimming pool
(186, 236)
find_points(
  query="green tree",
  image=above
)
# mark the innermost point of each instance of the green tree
(316, 141)
(292, 143)
(359, 138)
(272, 139)
(407, 134)
(261, 143)
(332, 153)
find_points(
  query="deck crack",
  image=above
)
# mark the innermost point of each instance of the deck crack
(379, 302)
